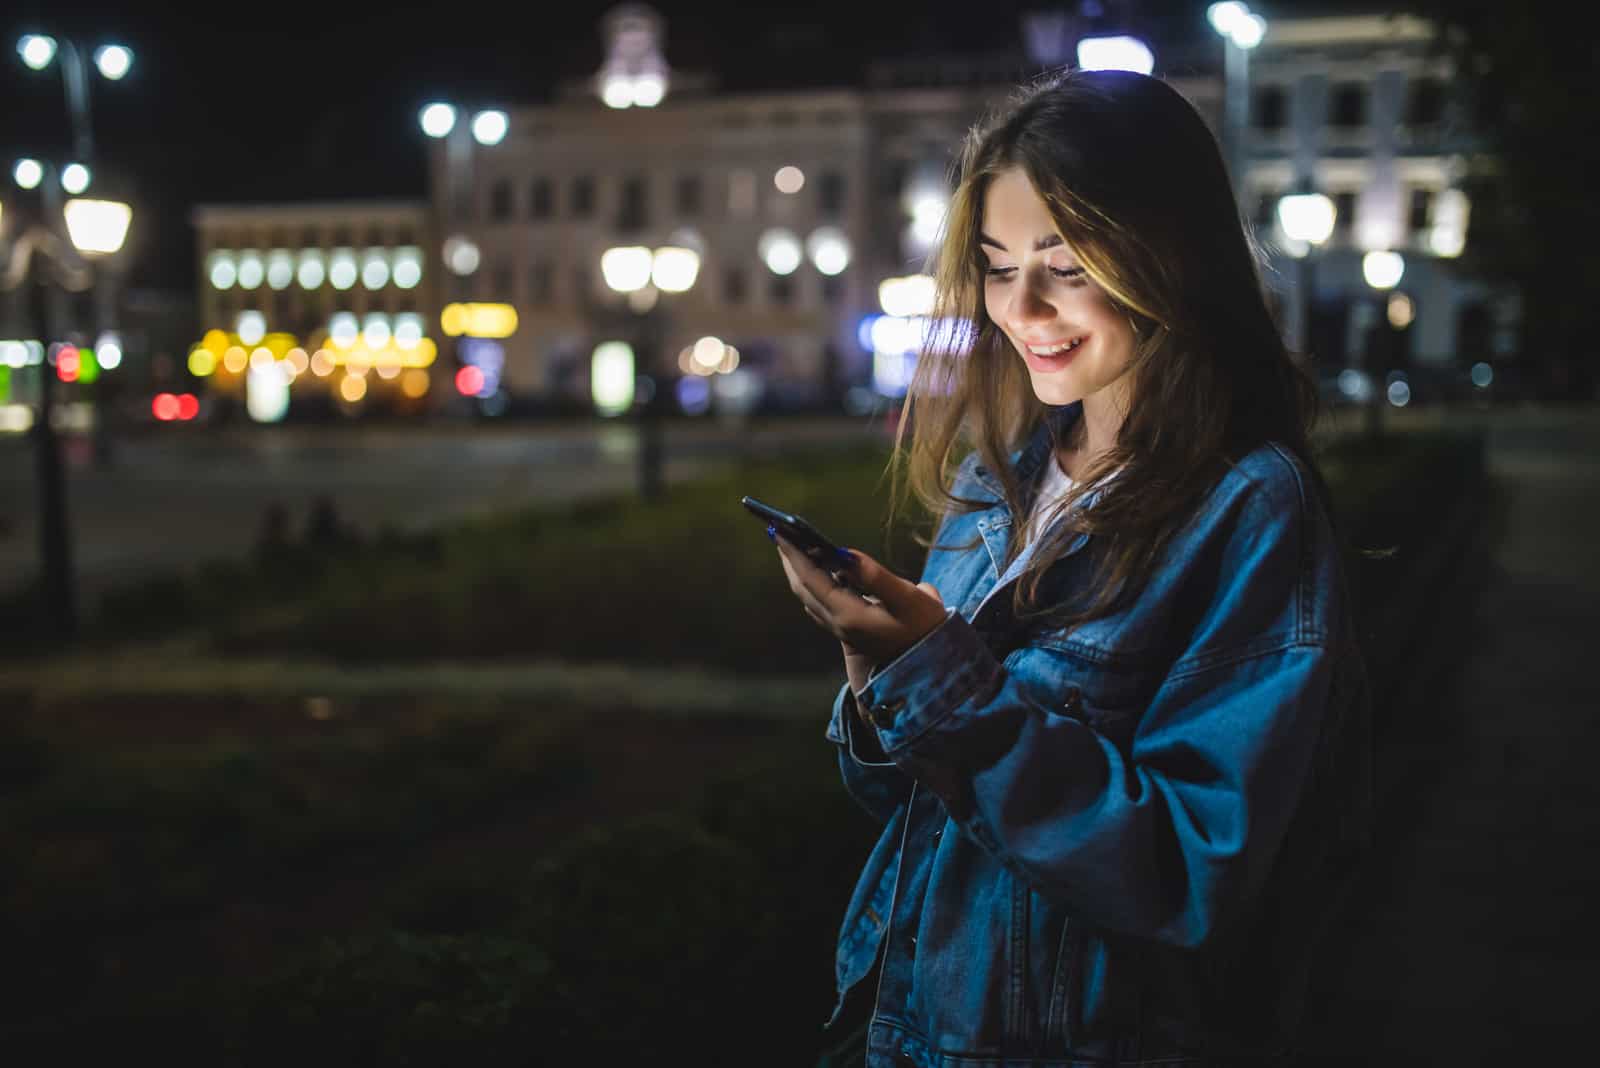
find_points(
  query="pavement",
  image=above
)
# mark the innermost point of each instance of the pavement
(1473, 938)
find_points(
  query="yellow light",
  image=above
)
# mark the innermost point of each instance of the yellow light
(789, 179)
(353, 388)
(262, 357)
(479, 320)
(414, 383)
(730, 361)
(708, 351)
(297, 359)
(235, 359)
(1401, 311)
(217, 342)
(279, 344)
(321, 363)
(388, 370)
(202, 362)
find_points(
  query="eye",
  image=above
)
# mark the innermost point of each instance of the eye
(1067, 272)
(999, 274)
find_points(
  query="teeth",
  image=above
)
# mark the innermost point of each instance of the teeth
(1053, 349)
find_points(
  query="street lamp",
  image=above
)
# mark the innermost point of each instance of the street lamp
(632, 270)
(1308, 219)
(1241, 30)
(1382, 269)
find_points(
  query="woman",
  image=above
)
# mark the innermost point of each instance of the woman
(1118, 736)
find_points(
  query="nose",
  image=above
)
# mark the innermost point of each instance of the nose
(1028, 303)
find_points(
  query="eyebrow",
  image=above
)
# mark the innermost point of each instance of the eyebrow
(1039, 243)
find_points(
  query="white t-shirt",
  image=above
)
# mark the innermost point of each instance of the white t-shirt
(1055, 486)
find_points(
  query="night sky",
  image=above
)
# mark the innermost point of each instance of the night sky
(296, 101)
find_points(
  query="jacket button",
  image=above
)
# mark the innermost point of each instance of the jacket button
(1074, 700)
(883, 712)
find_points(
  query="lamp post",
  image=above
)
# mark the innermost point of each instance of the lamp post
(642, 276)
(1307, 218)
(1241, 30)
(48, 264)
(1382, 270)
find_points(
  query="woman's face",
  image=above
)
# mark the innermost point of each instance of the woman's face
(1074, 341)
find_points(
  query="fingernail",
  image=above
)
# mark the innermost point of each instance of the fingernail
(847, 557)
(772, 532)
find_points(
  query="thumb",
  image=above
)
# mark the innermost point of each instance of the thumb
(931, 589)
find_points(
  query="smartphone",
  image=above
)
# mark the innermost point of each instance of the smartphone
(797, 531)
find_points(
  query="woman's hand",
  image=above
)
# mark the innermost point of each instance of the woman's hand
(873, 629)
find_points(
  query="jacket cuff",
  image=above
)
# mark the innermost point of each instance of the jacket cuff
(845, 728)
(927, 683)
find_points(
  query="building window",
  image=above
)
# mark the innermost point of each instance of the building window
(1344, 212)
(540, 282)
(1424, 103)
(503, 282)
(500, 200)
(1421, 207)
(734, 287)
(1349, 109)
(689, 195)
(830, 194)
(541, 204)
(1268, 109)
(583, 196)
(633, 213)
(741, 194)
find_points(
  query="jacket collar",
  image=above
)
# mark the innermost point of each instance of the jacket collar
(1027, 460)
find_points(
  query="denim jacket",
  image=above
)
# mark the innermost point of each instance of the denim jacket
(1117, 845)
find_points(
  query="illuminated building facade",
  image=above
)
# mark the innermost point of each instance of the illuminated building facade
(331, 304)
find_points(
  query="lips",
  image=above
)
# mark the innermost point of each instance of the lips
(1053, 355)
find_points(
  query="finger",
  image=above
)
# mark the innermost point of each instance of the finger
(872, 577)
(806, 571)
(931, 589)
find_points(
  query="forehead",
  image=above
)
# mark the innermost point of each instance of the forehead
(1014, 212)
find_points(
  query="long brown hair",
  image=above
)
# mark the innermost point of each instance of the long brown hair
(1136, 185)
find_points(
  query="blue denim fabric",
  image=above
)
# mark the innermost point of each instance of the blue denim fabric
(1118, 845)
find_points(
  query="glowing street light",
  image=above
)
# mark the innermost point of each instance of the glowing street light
(114, 60)
(626, 269)
(1308, 218)
(438, 119)
(1115, 53)
(489, 127)
(75, 178)
(97, 227)
(1242, 30)
(37, 50)
(28, 173)
(1383, 269)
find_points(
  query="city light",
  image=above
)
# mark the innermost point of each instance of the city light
(1383, 269)
(28, 173)
(202, 362)
(75, 178)
(478, 320)
(1236, 22)
(266, 393)
(252, 272)
(469, 381)
(460, 255)
(343, 329)
(648, 90)
(353, 388)
(1401, 311)
(280, 268)
(342, 270)
(489, 127)
(1307, 217)
(223, 272)
(164, 406)
(97, 227)
(251, 327)
(673, 269)
(927, 217)
(375, 331)
(829, 250)
(789, 179)
(37, 50)
(912, 295)
(611, 377)
(414, 383)
(780, 250)
(407, 266)
(108, 350)
(375, 269)
(312, 270)
(407, 330)
(113, 60)
(1115, 53)
(627, 268)
(438, 119)
(1447, 237)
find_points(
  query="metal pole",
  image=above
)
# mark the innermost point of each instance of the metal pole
(55, 546)
(1236, 72)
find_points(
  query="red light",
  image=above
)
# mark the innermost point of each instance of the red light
(188, 406)
(469, 381)
(68, 364)
(165, 407)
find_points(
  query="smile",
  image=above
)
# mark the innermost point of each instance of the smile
(1057, 348)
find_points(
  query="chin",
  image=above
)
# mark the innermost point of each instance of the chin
(1056, 393)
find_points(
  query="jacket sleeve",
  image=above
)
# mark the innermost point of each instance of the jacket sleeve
(1171, 835)
(875, 781)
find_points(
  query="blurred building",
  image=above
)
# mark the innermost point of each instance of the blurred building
(1360, 109)
(332, 302)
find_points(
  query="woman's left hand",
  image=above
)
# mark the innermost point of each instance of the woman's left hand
(899, 615)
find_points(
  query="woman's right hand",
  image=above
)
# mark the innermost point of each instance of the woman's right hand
(858, 665)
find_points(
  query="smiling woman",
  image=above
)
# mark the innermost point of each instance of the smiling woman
(1118, 734)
